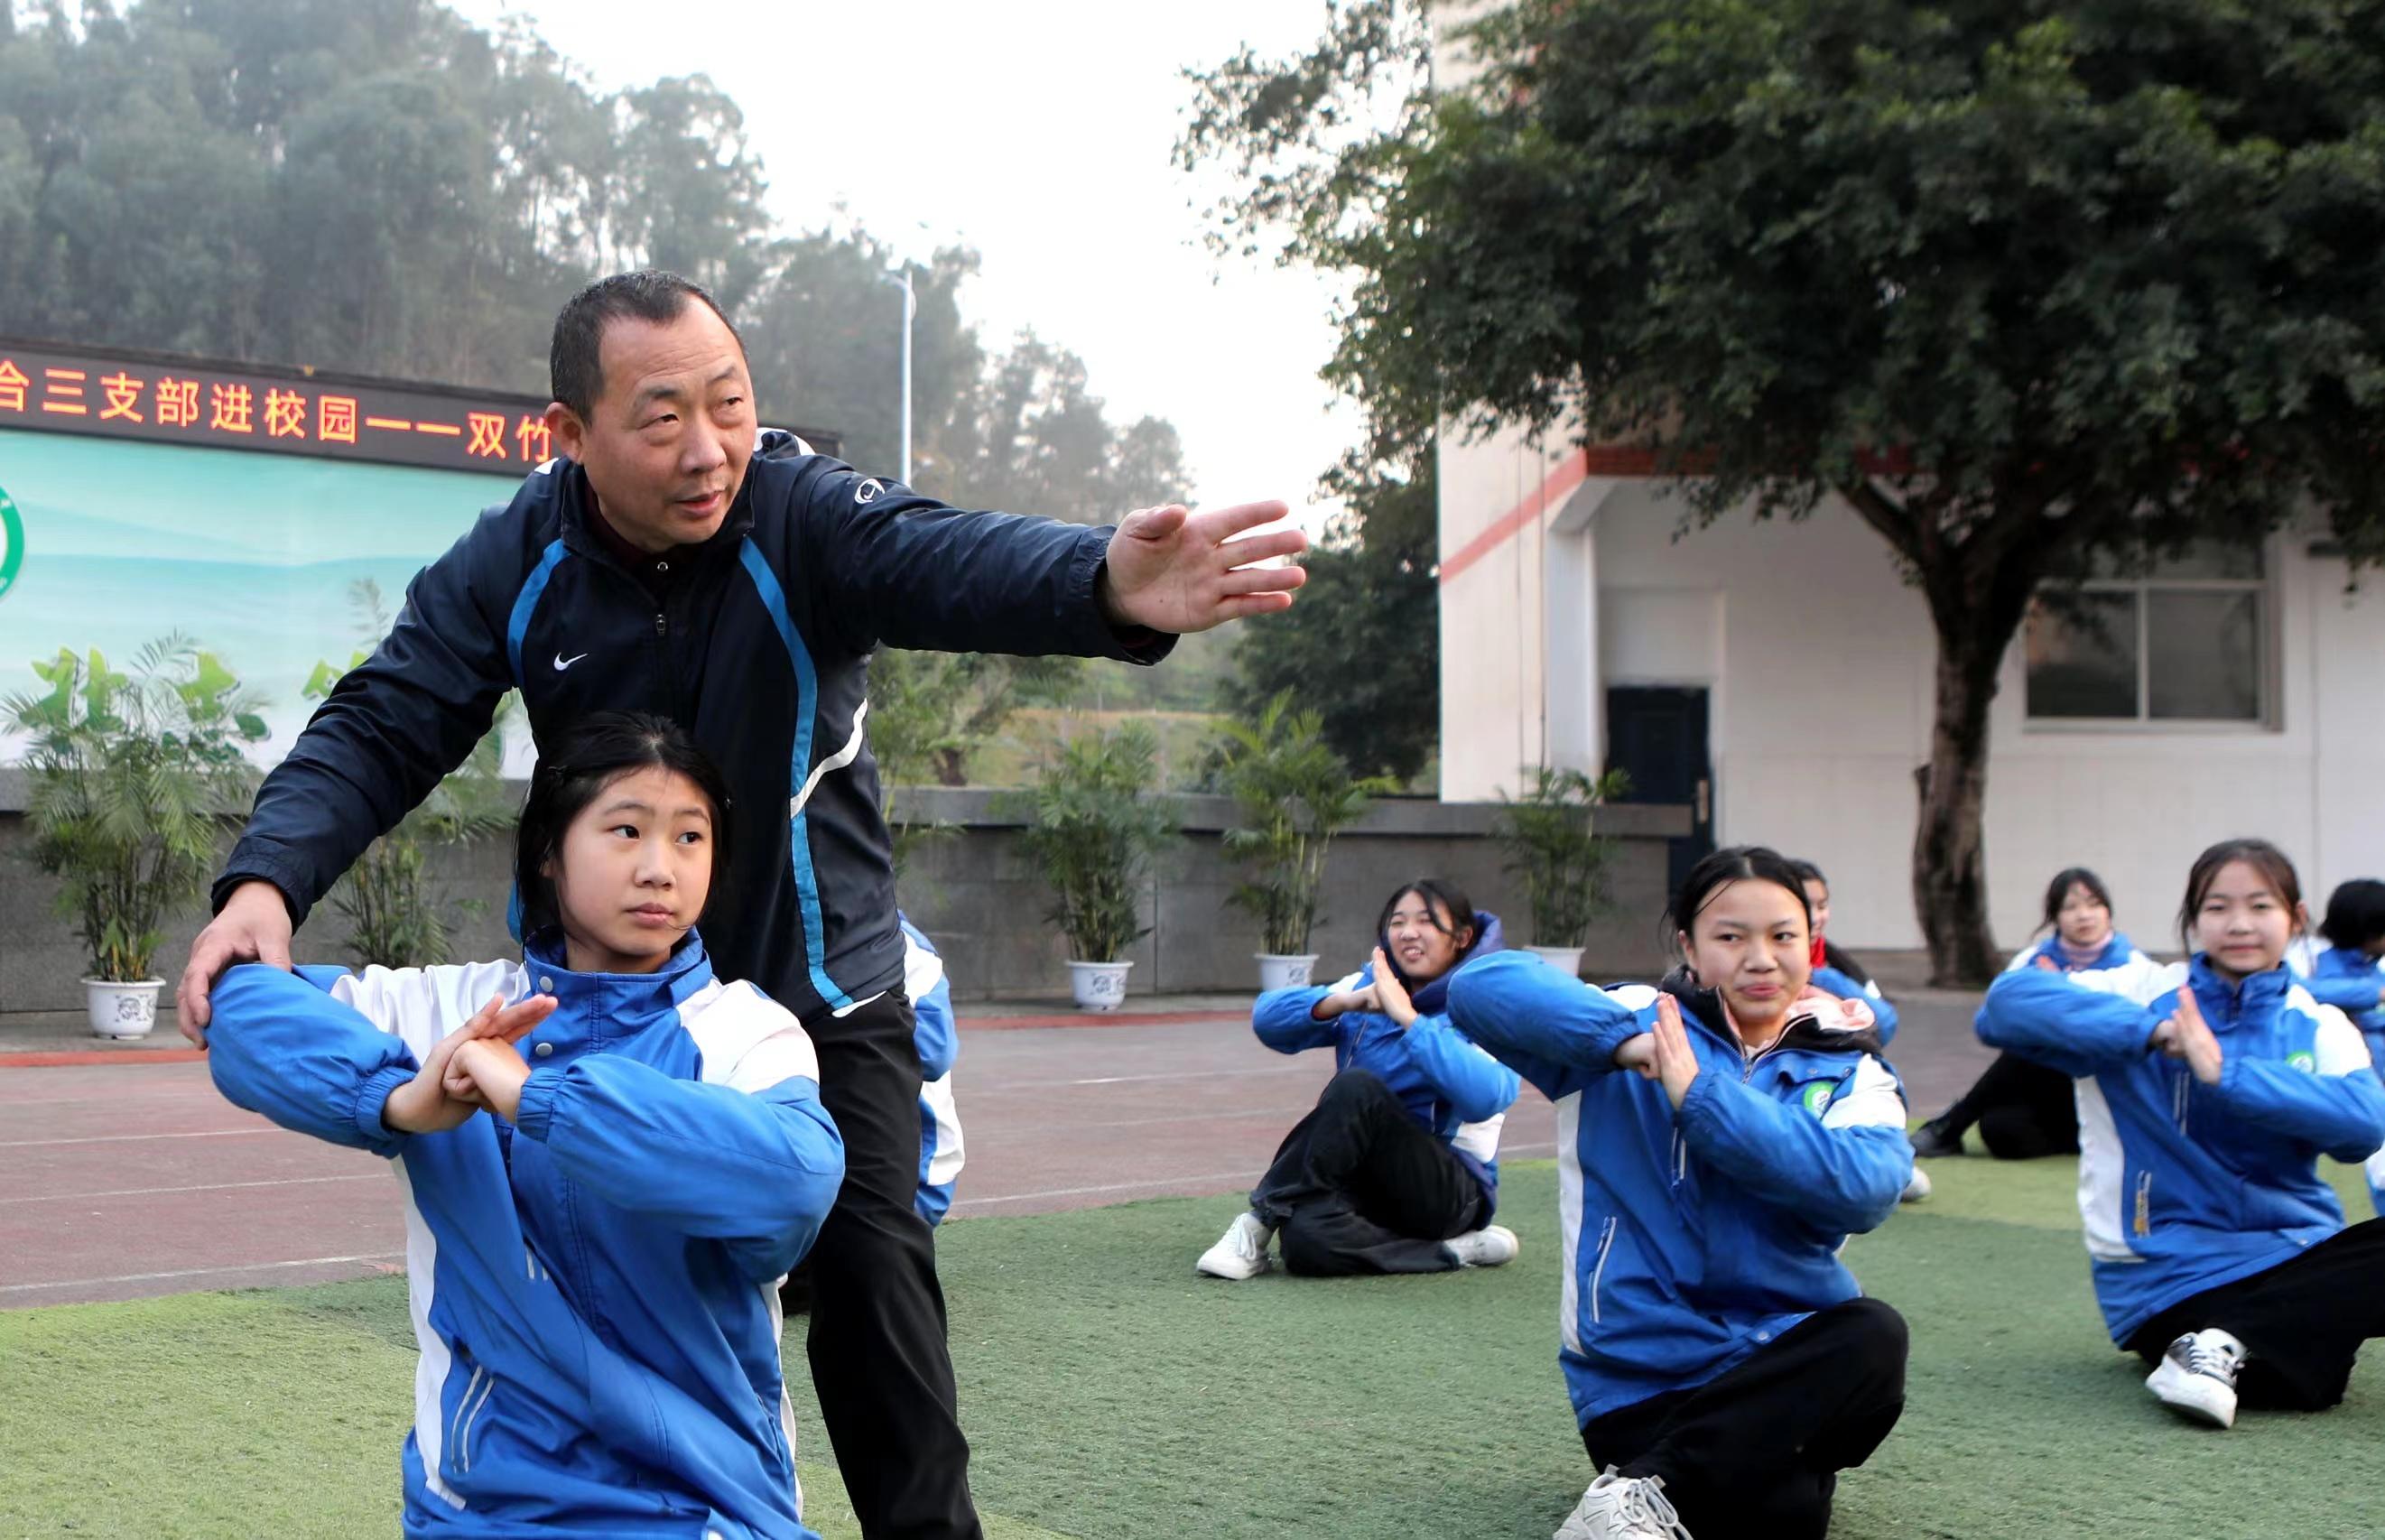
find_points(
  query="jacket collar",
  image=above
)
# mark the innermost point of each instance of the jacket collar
(2227, 1005)
(1803, 1031)
(616, 1004)
(2114, 952)
(577, 508)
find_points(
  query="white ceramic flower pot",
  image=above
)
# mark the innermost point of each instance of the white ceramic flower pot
(1281, 970)
(1567, 959)
(120, 1010)
(1098, 985)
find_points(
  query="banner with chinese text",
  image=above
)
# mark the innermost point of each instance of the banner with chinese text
(161, 399)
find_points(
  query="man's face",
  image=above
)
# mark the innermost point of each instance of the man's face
(667, 443)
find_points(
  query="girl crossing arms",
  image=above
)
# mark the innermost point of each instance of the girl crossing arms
(2207, 1090)
(1718, 1137)
(610, 1157)
(1396, 1169)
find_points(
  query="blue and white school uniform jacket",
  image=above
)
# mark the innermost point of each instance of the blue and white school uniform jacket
(2182, 1187)
(2349, 979)
(2118, 951)
(936, 1037)
(594, 1287)
(1691, 1239)
(1451, 1087)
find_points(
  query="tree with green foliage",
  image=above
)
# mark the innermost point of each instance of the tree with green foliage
(1362, 649)
(825, 329)
(2025, 285)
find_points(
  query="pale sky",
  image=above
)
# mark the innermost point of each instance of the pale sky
(1038, 132)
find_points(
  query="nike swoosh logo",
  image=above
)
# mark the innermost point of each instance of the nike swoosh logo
(562, 662)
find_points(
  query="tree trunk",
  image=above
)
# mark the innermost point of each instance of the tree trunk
(1950, 878)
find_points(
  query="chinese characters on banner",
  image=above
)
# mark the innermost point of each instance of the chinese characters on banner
(192, 402)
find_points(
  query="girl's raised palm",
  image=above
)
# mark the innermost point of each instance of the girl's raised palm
(1677, 1060)
(1390, 996)
(2193, 1040)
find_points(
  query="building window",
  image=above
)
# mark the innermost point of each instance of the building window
(2187, 642)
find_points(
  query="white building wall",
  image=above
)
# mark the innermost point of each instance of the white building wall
(1494, 645)
(1820, 661)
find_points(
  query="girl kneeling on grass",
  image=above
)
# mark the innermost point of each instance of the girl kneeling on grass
(2206, 1093)
(1717, 1138)
(2024, 1110)
(1397, 1168)
(608, 1158)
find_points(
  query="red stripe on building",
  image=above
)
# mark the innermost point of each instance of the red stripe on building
(1568, 474)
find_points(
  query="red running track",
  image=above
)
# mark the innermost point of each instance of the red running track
(132, 1178)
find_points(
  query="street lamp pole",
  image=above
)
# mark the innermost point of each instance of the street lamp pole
(902, 280)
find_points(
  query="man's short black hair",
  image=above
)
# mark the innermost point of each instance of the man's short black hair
(575, 364)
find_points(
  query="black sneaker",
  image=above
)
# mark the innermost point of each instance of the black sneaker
(1935, 1140)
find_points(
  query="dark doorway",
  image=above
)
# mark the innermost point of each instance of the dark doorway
(1657, 735)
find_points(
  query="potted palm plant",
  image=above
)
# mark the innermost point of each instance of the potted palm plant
(386, 899)
(136, 780)
(1558, 856)
(1095, 830)
(1295, 794)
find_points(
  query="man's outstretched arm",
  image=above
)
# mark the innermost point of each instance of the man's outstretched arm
(889, 566)
(392, 728)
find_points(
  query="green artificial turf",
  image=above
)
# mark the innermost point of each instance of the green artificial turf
(1109, 1392)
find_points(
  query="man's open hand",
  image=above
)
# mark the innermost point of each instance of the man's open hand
(1175, 570)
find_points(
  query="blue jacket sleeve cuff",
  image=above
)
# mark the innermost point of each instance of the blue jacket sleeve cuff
(372, 1097)
(534, 1115)
(1697, 1108)
(1606, 1039)
(1098, 637)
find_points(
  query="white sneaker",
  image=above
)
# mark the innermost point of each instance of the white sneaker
(2197, 1377)
(1492, 1245)
(1623, 1507)
(1917, 1189)
(1241, 1252)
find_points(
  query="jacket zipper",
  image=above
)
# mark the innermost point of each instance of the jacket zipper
(1598, 1273)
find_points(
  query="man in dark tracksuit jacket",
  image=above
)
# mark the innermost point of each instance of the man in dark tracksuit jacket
(756, 637)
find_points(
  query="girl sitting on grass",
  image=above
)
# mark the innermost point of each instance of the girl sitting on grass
(2022, 1108)
(608, 1157)
(2207, 1090)
(1396, 1168)
(1717, 1138)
